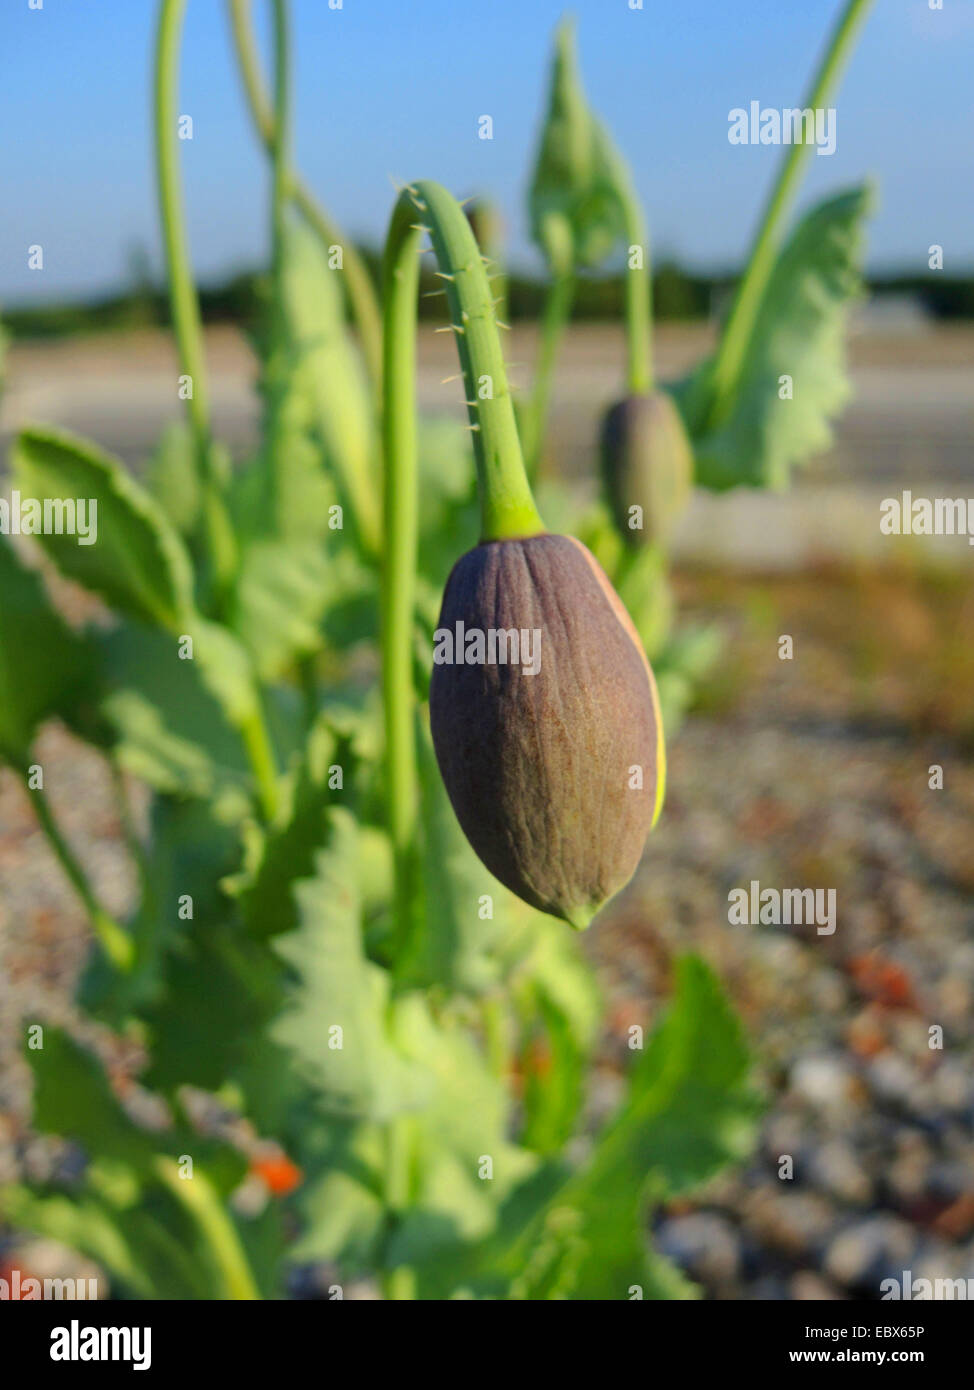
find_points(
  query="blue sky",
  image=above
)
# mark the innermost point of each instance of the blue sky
(393, 89)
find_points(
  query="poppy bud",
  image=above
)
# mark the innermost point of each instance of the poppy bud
(553, 760)
(647, 461)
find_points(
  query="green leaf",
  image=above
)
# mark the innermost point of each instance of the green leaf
(449, 520)
(191, 853)
(281, 594)
(173, 477)
(83, 1223)
(561, 1007)
(456, 947)
(45, 667)
(335, 985)
(690, 1110)
(576, 198)
(72, 1097)
(464, 1120)
(342, 1202)
(799, 332)
(168, 728)
(287, 852)
(314, 311)
(208, 1025)
(318, 425)
(138, 562)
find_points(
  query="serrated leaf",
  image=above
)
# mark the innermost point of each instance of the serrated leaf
(138, 562)
(464, 1119)
(799, 332)
(45, 667)
(334, 984)
(689, 1110)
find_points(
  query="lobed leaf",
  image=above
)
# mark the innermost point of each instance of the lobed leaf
(799, 332)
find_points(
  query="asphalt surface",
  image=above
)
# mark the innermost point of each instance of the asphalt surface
(910, 424)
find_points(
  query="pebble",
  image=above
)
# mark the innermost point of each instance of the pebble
(836, 1168)
(862, 1255)
(705, 1246)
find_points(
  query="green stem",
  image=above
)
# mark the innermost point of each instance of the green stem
(400, 486)
(113, 938)
(280, 139)
(740, 322)
(639, 303)
(260, 755)
(507, 507)
(130, 835)
(185, 310)
(201, 1201)
(399, 1283)
(358, 283)
(558, 304)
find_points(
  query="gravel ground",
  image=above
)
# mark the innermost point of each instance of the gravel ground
(810, 773)
(786, 790)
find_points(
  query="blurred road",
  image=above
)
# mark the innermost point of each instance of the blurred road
(909, 425)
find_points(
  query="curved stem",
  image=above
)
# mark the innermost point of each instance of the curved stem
(201, 1201)
(184, 304)
(557, 309)
(744, 311)
(113, 938)
(507, 507)
(400, 527)
(358, 283)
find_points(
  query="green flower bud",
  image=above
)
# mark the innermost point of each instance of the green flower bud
(647, 462)
(554, 761)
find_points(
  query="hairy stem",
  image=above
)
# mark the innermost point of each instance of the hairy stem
(507, 507)
(113, 938)
(358, 284)
(744, 310)
(184, 304)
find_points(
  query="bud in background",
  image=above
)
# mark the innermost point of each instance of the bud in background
(647, 462)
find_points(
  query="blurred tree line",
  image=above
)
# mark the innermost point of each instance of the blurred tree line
(678, 294)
